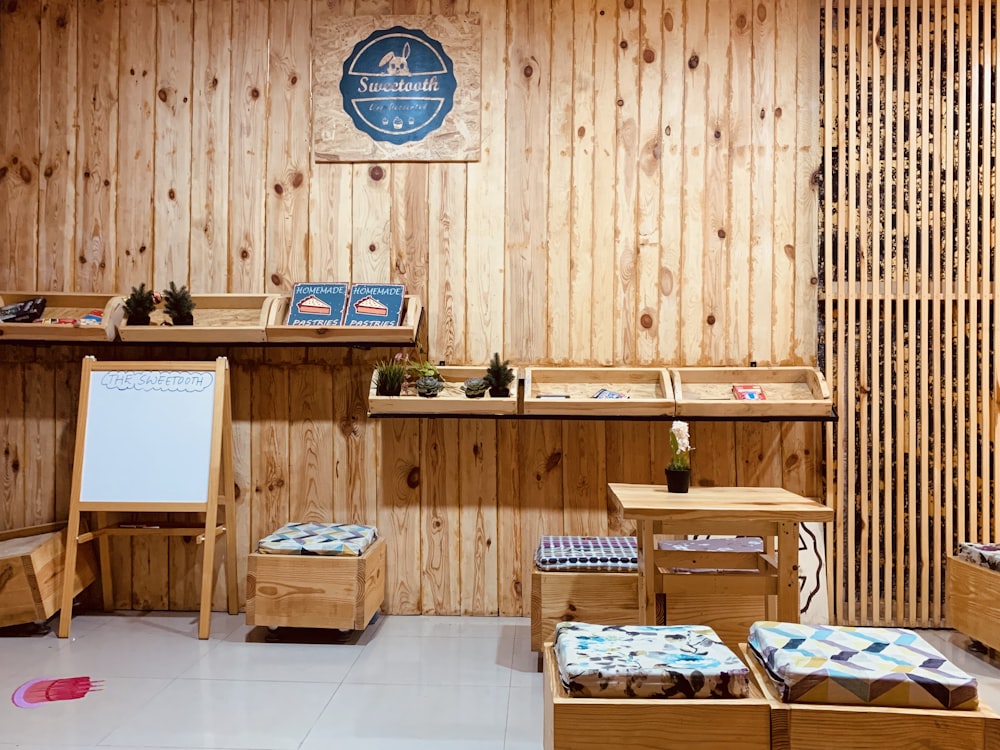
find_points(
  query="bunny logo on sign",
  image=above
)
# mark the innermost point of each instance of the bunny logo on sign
(398, 85)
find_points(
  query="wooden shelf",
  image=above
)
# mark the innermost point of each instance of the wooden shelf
(789, 393)
(570, 391)
(218, 319)
(450, 402)
(405, 334)
(64, 305)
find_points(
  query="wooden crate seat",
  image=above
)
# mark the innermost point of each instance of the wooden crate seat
(31, 573)
(850, 723)
(317, 576)
(972, 592)
(595, 579)
(721, 707)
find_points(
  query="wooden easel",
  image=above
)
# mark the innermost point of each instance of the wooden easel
(191, 400)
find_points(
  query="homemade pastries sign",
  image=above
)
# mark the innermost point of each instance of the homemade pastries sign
(396, 88)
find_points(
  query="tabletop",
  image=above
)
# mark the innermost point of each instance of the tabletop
(774, 504)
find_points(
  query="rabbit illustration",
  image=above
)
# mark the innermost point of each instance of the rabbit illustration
(395, 65)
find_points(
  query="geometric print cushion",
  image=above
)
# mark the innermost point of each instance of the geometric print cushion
(347, 539)
(986, 555)
(581, 553)
(647, 661)
(859, 666)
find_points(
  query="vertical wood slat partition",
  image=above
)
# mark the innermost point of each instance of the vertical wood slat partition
(643, 195)
(908, 283)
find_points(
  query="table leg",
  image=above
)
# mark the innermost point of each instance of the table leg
(647, 572)
(788, 572)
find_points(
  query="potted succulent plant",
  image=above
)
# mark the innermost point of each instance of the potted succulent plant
(389, 376)
(499, 376)
(178, 305)
(139, 304)
(475, 387)
(428, 386)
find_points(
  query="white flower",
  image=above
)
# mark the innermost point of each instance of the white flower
(680, 445)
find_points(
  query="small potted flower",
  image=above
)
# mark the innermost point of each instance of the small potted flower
(679, 469)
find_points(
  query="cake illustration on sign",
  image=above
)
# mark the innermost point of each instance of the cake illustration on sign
(317, 304)
(374, 305)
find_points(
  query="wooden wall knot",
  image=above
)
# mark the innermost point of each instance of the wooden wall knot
(413, 477)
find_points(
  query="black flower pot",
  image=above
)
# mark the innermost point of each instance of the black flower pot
(499, 392)
(138, 320)
(678, 480)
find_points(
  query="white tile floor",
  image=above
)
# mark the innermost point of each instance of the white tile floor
(406, 682)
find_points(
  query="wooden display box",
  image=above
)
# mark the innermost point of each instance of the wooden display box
(451, 401)
(789, 393)
(817, 726)
(218, 319)
(642, 723)
(570, 391)
(31, 574)
(316, 591)
(972, 603)
(405, 334)
(62, 305)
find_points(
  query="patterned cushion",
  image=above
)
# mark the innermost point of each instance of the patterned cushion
(345, 539)
(987, 555)
(859, 666)
(578, 553)
(647, 661)
(715, 544)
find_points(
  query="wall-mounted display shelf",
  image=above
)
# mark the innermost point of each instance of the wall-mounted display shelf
(84, 317)
(451, 401)
(218, 319)
(751, 393)
(405, 334)
(598, 392)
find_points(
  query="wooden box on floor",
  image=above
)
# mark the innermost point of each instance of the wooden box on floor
(316, 591)
(612, 599)
(634, 724)
(808, 726)
(31, 574)
(972, 603)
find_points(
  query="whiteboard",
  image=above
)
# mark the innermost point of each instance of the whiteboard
(148, 437)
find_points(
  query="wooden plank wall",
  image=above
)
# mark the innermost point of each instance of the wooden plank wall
(909, 196)
(645, 195)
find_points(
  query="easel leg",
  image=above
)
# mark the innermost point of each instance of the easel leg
(104, 550)
(69, 566)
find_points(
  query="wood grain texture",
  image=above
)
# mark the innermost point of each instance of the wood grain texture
(211, 147)
(57, 145)
(137, 110)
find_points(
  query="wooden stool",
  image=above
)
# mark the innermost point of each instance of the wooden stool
(316, 591)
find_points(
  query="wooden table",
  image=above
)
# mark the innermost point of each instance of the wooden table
(769, 512)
